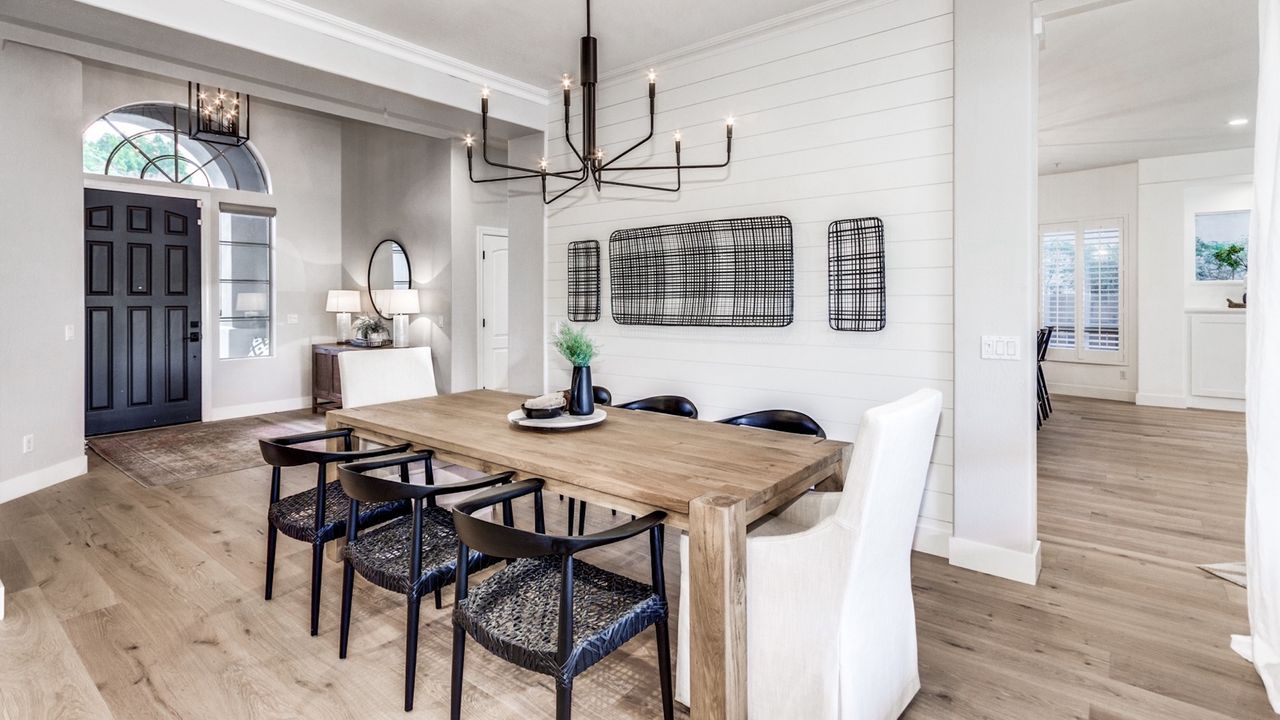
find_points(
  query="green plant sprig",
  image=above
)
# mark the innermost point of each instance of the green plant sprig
(574, 344)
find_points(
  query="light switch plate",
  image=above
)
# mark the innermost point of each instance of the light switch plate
(69, 333)
(292, 319)
(1001, 347)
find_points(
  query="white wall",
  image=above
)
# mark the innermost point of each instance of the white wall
(995, 292)
(396, 185)
(474, 205)
(42, 276)
(302, 152)
(840, 115)
(527, 248)
(1109, 192)
(1170, 191)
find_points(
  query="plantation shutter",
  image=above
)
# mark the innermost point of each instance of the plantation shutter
(1058, 284)
(1101, 300)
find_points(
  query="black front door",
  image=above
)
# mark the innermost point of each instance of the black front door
(142, 311)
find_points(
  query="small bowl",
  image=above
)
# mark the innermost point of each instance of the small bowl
(542, 413)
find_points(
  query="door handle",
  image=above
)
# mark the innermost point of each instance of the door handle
(193, 337)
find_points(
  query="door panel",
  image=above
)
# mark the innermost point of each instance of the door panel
(494, 340)
(142, 311)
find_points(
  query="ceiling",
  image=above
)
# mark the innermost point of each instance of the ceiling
(1133, 79)
(536, 41)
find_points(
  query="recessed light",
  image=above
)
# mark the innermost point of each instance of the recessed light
(1236, 122)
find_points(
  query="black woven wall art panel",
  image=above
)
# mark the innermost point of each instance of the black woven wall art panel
(584, 281)
(717, 273)
(855, 267)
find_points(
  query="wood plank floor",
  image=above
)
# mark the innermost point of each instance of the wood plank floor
(126, 602)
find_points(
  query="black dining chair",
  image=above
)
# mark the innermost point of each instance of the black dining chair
(789, 421)
(317, 515)
(412, 555)
(1044, 406)
(548, 611)
(665, 404)
(601, 395)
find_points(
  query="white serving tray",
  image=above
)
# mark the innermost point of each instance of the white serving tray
(562, 422)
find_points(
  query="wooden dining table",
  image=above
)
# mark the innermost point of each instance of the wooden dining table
(711, 480)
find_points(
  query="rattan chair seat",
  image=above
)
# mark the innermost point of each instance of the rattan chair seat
(514, 614)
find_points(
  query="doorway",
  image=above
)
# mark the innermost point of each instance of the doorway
(493, 333)
(142, 311)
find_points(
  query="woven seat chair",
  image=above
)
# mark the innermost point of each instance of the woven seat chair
(663, 404)
(412, 555)
(318, 515)
(788, 421)
(547, 611)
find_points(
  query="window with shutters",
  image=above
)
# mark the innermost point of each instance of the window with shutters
(1081, 293)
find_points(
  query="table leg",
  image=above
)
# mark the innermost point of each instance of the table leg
(718, 608)
(835, 483)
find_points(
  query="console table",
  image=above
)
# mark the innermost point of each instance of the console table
(326, 382)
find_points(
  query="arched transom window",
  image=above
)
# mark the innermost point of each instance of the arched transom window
(150, 141)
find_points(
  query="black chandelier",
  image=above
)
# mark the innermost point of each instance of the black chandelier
(217, 115)
(591, 164)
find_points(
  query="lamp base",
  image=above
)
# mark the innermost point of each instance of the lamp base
(344, 327)
(400, 331)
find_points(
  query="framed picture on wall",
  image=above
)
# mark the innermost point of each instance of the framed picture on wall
(1221, 245)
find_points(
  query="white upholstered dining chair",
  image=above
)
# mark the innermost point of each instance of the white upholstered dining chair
(831, 630)
(373, 377)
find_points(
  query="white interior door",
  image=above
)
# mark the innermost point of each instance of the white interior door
(493, 311)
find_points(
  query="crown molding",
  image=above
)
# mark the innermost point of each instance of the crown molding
(304, 16)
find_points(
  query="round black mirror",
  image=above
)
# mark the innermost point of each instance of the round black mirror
(388, 270)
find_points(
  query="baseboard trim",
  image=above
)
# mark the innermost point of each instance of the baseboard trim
(932, 540)
(44, 477)
(1023, 567)
(1201, 402)
(1169, 401)
(262, 408)
(1091, 391)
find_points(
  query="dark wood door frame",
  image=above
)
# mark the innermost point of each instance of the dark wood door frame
(144, 330)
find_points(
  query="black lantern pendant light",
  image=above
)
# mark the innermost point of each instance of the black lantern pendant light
(590, 163)
(217, 115)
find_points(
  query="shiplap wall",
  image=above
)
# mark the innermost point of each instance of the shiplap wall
(847, 113)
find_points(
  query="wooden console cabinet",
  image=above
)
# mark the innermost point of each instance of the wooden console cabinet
(326, 383)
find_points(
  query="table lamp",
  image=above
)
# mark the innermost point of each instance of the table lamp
(400, 305)
(343, 302)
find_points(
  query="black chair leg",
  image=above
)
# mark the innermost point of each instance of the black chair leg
(455, 686)
(582, 518)
(564, 701)
(411, 653)
(317, 573)
(439, 601)
(348, 585)
(664, 669)
(569, 527)
(271, 557)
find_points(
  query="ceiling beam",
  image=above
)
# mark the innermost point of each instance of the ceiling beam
(293, 32)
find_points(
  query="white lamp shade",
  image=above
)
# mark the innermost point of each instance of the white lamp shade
(253, 302)
(400, 302)
(343, 301)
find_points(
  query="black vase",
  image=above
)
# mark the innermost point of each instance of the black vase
(581, 395)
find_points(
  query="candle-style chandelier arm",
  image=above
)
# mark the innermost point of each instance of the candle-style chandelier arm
(548, 200)
(642, 141)
(728, 153)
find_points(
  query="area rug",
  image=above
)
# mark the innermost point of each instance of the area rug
(1232, 572)
(161, 456)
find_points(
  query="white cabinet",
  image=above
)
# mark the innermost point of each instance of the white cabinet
(1217, 346)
